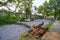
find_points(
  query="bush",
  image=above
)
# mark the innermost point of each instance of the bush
(22, 19)
(32, 19)
(6, 22)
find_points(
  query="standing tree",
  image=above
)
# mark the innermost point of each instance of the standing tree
(44, 10)
(55, 5)
(50, 8)
(18, 5)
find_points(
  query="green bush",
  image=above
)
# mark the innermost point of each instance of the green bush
(4, 23)
(22, 19)
(59, 20)
(32, 19)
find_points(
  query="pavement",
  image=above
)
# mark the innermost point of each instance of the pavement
(13, 31)
(55, 27)
(36, 22)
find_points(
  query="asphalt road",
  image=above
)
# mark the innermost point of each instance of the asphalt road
(12, 32)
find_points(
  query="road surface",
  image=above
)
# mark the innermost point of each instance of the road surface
(12, 32)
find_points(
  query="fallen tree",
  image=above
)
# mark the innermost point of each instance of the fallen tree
(36, 32)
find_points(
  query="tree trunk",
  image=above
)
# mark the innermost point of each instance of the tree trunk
(55, 15)
(59, 15)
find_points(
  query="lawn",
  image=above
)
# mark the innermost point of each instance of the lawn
(50, 23)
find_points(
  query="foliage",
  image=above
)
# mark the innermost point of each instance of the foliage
(21, 5)
(22, 19)
(59, 20)
(22, 37)
(28, 12)
(51, 8)
(32, 19)
(50, 23)
(10, 16)
(8, 22)
(55, 5)
(6, 15)
(43, 9)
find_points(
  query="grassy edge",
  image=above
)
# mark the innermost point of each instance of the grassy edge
(50, 23)
(6, 23)
(22, 36)
(59, 20)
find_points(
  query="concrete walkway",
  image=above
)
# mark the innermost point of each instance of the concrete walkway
(53, 33)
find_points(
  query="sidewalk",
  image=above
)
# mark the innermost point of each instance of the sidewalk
(55, 27)
(54, 32)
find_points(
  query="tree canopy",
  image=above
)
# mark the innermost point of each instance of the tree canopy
(16, 8)
(20, 5)
(51, 8)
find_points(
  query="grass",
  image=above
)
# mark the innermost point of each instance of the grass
(50, 23)
(22, 36)
(59, 20)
